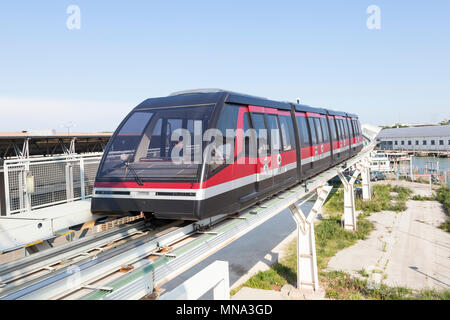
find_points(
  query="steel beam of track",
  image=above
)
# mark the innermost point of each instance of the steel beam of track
(61, 282)
(18, 269)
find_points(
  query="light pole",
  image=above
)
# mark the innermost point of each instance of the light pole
(68, 125)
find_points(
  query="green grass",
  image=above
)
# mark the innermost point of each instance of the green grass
(418, 197)
(330, 238)
(381, 200)
(335, 201)
(363, 273)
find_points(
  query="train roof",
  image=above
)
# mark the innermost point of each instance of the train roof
(305, 108)
(197, 98)
(239, 98)
(213, 96)
(210, 96)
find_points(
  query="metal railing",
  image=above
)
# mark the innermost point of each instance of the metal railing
(33, 183)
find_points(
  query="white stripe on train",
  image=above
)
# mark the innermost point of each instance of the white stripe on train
(202, 194)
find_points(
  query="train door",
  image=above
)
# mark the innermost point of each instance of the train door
(306, 146)
(264, 175)
(351, 136)
(320, 142)
(346, 138)
(289, 150)
(276, 158)
(326, 141)
(334, 140)
(340, 138)
(315, 155)
(355, 136)
(222, 168)
(246, 157)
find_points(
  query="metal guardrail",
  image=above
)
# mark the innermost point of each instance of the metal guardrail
(33, 183)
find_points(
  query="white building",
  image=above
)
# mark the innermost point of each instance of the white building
(380, 162)
(430, 138)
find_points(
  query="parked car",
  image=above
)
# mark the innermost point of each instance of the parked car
(377, 175)
(435, 180)
(347, 174)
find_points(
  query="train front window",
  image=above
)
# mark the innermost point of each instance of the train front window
(159, 143)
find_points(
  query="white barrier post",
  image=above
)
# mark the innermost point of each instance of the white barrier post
(349, 200)
(215, 276)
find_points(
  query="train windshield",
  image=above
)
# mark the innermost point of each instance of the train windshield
(159, 143)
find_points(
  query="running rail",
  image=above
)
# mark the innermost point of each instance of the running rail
(150, 261)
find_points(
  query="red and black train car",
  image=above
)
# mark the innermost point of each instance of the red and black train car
(289, 143)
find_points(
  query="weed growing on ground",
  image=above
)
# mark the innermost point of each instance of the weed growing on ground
(330, 238)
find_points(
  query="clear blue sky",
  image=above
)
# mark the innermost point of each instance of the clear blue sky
(127, 51)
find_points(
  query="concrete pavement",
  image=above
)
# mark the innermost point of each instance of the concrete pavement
(406, 249)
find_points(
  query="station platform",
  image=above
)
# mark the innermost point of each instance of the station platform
(26, 229)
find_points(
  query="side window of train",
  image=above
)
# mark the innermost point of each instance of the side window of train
(326, 135)
(261, 131)
(312, 128)
(338, 129)
(319, 131)
(355, 128)
(227, 120)
(303, 132)
(350, 130)
(344, 125)
(333, 129)
(274, 132)
(287, 132)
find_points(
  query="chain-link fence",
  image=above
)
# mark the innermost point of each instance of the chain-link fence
(40, 182)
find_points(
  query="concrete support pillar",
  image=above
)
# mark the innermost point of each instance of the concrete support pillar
(349, 201)
(307, 272)
(366, 185)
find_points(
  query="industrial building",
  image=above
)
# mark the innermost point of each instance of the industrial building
(24, 144)
(420, 139)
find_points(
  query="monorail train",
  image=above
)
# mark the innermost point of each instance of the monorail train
(138, 174)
